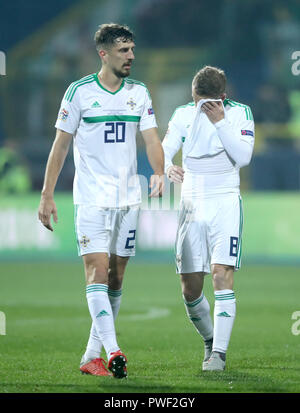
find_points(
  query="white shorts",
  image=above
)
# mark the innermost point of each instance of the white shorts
(209, 232)
(110, 230)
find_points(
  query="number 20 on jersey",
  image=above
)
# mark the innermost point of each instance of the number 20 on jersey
(115, 132)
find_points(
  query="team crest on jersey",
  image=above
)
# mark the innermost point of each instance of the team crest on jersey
(63, 115)
(131, 103)
(84, 241)
(150, 111)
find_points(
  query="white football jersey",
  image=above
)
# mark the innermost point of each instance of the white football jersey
(104, 126)
(209, 170)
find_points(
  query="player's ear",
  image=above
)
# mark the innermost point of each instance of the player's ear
(223, 96)
(102, 53)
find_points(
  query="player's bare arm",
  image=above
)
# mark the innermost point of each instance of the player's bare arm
(155, 156)
(55, 163)
(214, 111)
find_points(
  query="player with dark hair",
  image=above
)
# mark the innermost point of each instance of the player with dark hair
(107, 34)
(101, 113)
(216, 135)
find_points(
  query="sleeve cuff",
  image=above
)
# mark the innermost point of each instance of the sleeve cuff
(221, 123)
(148, 124)
(65, 128)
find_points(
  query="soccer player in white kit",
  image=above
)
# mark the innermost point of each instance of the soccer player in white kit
(216, 135)
(101, 113)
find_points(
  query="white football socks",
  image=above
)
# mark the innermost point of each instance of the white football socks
(103, 318)
(94, 345)
(198, 312)
(224, 315)
(115, 297)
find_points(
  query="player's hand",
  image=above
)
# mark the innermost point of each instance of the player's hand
(46, 209)
(214, 111)
(157, 185)
(175, 174)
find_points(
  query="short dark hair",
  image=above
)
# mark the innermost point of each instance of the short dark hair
(209, 82)
(108, 33)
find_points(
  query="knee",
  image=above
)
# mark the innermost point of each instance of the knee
(96, 271)
(188, 293)
(191, 286)
(116, 272)
(115, 279)
(222, 276)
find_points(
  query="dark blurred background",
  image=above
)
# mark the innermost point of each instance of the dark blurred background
(48, 45)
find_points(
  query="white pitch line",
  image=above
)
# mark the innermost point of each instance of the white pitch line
(151, 314)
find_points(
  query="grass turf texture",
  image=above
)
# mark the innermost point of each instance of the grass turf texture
(47, 327)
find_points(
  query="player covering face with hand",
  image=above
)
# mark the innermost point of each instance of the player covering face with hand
(101, 113)
(216, 136)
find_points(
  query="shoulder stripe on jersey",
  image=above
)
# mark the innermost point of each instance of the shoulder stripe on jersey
(188, 104)
(232, 103)
(113, 118)
(182, 106)
(89, 81)
(137, 82)
(73, 87)
(70, 88)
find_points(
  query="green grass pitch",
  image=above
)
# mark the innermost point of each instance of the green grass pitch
(47, 327)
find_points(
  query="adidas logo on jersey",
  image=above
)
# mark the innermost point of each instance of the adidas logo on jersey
(96, 105)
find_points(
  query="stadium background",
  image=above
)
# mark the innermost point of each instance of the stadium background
(49, 45)
(253, 41)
